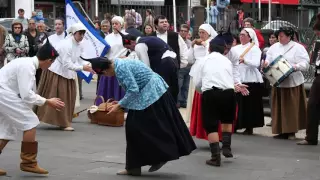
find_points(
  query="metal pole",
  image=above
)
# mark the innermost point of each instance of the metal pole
(208, 5)
(97, 8)
(119, 8)
(259, 10)
(269, 18)
(174, 16)
(189, 9)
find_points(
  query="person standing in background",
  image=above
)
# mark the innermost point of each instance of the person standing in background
(22, 19)
(184, 77)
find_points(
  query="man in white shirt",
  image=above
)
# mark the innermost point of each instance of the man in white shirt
(218, 101)
(16, 100)
(173, 39)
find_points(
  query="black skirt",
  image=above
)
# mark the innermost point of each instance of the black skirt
(168, 70)
(250, 108)
(156, 134)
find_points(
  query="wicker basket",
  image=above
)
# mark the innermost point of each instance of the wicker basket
(102, 117)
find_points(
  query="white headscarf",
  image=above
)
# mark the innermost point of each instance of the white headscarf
(119, 19)
(76, 27)
(209, 29)
(252, 35)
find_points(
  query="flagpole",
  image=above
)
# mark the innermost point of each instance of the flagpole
(80, 5)
(97, 10)
(269, 18)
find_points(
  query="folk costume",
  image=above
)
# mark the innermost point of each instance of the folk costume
(289, 106)
(250, 108)
(16, 100)
(60, 81)
(195, 56)
(156, 54)
(155, 130)
(215, 83)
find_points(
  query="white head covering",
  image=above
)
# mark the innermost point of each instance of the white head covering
(119, 19)
(209, 29)
(76, 27)
(252, 35)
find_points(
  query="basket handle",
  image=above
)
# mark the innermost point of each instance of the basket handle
(101, 97)
(110, 100)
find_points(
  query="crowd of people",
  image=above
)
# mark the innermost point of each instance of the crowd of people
(217, 77)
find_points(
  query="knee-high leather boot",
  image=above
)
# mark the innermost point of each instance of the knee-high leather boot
(29, 151)
(226, 144)
(215, 155)
(2, 172)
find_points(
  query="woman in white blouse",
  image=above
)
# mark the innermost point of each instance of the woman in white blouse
(289, 108)
(59, 80)
(199, 49)
(109, 87)
(250, 107)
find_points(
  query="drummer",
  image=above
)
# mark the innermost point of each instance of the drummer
(289, 108)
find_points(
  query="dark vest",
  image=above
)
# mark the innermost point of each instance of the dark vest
(156, 48)
(173, 42)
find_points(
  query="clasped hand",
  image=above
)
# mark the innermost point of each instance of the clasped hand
(242, 88)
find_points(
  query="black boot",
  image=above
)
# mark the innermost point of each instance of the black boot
(226, 144)
(215, 155)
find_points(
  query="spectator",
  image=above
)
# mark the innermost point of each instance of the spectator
(16, 44)
(213, 12)
(249, 23)
(131, 29)
(3, 33)
(21, 19)
(105, 27)
(148, 30)
(149, 18)
(138, 18)
(184, 78)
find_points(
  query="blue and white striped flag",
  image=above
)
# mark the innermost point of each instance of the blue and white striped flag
(95, 45)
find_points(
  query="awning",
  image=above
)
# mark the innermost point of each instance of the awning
(288, 2)
(139, 2)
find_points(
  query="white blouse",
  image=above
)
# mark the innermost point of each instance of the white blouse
(55, 39)
(116, 46)
(297, 55)
(69, 59)
(232, 56)
(196, 54)
(249, 70)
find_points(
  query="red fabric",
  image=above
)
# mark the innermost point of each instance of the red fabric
(196, 125)
(260, 38)
(291, 2)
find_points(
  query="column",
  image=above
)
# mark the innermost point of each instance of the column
(27, 5)
(198, 19)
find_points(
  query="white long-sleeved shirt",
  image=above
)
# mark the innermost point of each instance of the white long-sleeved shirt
(141, 50)
(183, 48)
(297, 56)
(68, 61)
(55, 39)
(249, 70)
(232, 56)
(215, 71)
(116, 46)
(18, 77)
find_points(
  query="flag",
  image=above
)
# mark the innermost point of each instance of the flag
(95, 45)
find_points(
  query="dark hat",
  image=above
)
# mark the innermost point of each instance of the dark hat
(219, 40)
(288, 31)
(99, 64)
(228, 36)
(126, 39)
(47, 51)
